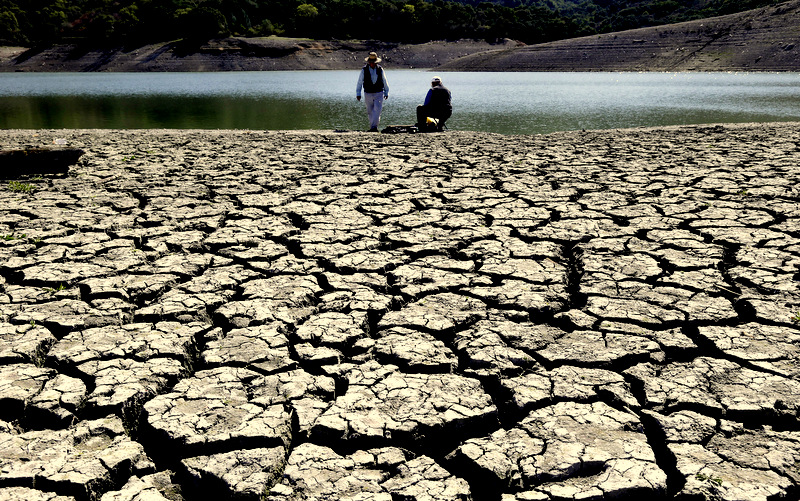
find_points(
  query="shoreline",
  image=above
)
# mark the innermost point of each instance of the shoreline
(309, 314)
(53, 132)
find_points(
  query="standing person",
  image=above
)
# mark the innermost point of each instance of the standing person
(437, 105)
(376, 88)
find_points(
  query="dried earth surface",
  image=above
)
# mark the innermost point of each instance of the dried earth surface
(320, 315)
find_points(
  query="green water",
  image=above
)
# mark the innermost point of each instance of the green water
(508, 103)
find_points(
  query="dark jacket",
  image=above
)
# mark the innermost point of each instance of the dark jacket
(439, 99)
(370, 87)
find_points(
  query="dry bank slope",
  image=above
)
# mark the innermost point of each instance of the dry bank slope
(763, 39)
(241, 54)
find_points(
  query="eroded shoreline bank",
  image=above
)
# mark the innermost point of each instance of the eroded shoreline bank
(302, 314)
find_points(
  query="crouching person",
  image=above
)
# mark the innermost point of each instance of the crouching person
(437, 107)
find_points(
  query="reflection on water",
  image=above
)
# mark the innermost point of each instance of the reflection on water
(508, 103)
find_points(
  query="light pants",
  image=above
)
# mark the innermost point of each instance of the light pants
(374, 102)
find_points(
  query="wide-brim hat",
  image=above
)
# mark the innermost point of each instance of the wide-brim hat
(373, 57)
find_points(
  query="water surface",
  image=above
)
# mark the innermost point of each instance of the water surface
(508, 103)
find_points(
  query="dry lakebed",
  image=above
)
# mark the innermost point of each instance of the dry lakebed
(321, 315)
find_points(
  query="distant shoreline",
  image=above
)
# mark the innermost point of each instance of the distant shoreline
(242, 54)
(759, 40)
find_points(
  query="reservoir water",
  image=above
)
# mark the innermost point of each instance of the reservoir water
(507, 103)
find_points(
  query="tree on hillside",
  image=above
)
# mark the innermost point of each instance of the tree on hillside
(9, 26)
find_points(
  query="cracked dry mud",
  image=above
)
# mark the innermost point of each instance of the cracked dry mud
(319, 315)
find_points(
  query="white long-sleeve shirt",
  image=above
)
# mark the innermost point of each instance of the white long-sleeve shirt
(373, 72)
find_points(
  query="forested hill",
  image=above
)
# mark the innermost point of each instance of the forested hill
(133, 23)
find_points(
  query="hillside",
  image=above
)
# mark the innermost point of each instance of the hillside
(241, 54)
(764, 39)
